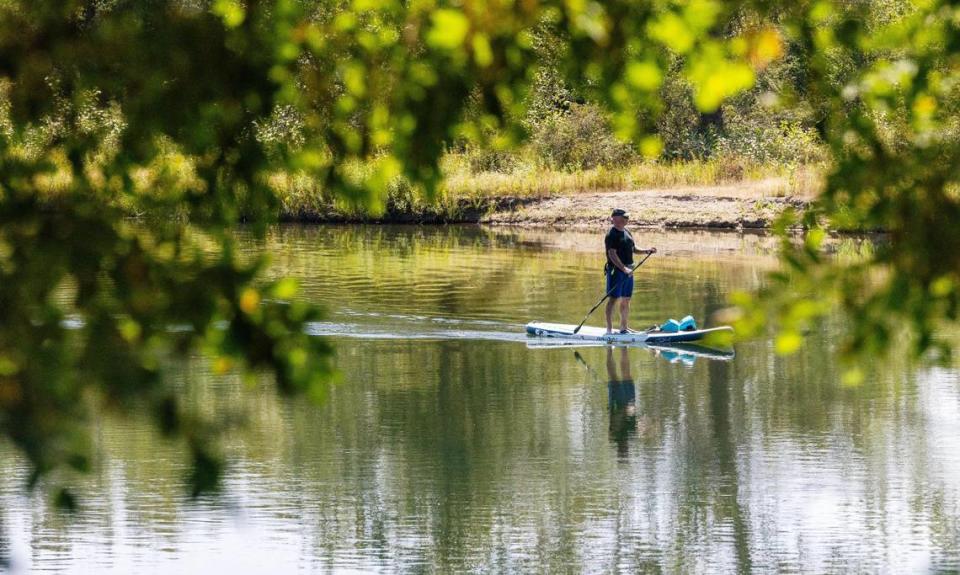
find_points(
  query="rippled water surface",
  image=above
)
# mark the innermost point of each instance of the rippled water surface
(449, 444)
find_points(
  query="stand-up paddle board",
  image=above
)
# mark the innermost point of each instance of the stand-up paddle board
(590, 333)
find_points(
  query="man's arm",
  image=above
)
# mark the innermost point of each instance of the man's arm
(637, 250)
(612, 254)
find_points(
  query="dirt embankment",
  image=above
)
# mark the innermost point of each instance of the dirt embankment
(749, 205)
(729, 207)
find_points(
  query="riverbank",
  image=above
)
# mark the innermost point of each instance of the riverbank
(753, 205)
(740, 205)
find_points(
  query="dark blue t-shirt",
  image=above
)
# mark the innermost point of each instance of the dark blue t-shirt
(622, 241)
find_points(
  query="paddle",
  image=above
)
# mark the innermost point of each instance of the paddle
(606, 295)
(579, 357)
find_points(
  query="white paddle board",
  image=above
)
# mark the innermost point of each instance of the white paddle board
(591, 333)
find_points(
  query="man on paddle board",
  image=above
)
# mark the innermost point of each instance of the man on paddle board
(620, 248)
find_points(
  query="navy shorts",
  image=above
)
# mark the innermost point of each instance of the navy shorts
(623, 282)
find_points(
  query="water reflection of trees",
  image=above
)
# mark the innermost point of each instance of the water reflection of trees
(457, 455)
(484, 272)
(4, 543)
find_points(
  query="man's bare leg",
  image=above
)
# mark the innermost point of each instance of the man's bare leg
(609, 311)
(624, 312)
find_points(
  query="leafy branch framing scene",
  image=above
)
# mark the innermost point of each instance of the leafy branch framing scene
(153, 153)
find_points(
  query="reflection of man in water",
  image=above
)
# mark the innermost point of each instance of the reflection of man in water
(622, 397)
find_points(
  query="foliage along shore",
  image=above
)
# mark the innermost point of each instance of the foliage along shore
(653, 208)
(682, 195)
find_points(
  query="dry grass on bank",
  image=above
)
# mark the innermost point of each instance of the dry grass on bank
(462, 186)
(535, 181)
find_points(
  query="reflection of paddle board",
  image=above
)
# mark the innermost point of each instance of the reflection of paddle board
(685, 352)
(590, 333)
(693, 350)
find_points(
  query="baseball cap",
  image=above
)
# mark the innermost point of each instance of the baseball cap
(620, 212)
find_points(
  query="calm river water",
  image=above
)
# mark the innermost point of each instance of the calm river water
(449, 444)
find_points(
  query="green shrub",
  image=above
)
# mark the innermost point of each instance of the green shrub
(786, 143)
(681, 126)
(579, 138)
(483, 160)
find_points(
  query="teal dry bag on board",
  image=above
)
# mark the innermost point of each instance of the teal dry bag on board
(685, 324)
